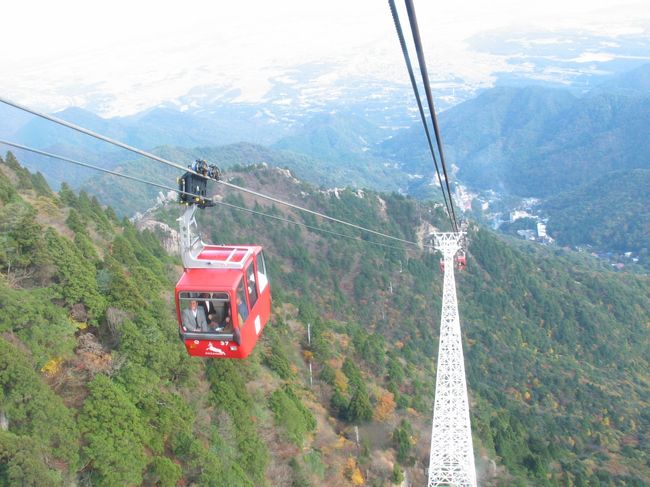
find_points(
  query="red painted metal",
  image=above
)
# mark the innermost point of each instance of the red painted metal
(461, 261)
(202, 280)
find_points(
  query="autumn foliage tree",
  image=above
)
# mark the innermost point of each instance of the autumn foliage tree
(385, 406)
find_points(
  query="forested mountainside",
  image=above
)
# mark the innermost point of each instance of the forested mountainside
(535, 141)
(612, 212)
(96, 387)
(126, 197)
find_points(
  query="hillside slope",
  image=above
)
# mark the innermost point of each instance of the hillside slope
(533, 141)
(555, 346)
(611, 213)
(127, 197)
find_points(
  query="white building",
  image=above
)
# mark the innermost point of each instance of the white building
(517, 214)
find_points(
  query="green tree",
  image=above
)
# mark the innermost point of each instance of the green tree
(397, 476)
(291, 414)
(359, 409)
(43, 327)
(20, 236)
(33, 409)
(23, 175)
(113, 435)
(228, 384)
(122, 291)
(67, 196)
(76, 276)
(327, 374)
(352, 372)
(402, 442)
(23, 462)
(7, 190)
(40, 185)
(277, 360)
(164, 472)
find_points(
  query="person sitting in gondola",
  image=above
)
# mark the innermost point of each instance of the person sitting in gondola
(242, 310)
(214, 326)
(194, 318)
(207, 305)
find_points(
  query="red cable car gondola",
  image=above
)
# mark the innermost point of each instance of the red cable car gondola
(460, 261)
(223, 298)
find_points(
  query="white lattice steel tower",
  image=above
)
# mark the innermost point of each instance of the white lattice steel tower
(451, 461)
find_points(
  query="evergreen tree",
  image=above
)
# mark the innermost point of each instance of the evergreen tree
(114, 435)
(291, 414)
(7, 190)
(37, 416)
(359, 409)
(67, 196)
(77, 283)
(22, 174)
(21, 237)
(339, 404)
(23, 461)
(40, 185)
(402, 441)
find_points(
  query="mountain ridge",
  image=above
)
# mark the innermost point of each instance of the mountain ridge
(505, 138)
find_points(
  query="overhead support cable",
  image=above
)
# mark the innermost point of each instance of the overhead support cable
(90, 166)
(179, 166)
(101, 137)
(427, 89)
(176, 190)
(416, 92)
(316, 213)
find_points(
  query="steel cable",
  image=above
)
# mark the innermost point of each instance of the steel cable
(416, 92)
(176, 190)
(178, 166)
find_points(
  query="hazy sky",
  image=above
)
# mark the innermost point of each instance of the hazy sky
(55, 54)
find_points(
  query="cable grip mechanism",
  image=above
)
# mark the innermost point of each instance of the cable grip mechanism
(193, 185)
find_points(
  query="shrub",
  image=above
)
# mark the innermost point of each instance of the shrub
(291, 414)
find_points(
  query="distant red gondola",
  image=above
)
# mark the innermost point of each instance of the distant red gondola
(460, 262)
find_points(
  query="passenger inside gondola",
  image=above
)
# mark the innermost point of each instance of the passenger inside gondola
(194, 318)
(206, 313)
(216, 326)
(242, 307)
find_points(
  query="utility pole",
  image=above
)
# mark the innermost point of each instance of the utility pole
(451, 461)
(311, 373)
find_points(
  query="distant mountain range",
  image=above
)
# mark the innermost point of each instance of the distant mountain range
(536, 141)
(635, 82)
(521, 140)
(333, 134)
(529, 141)
(154, 128)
